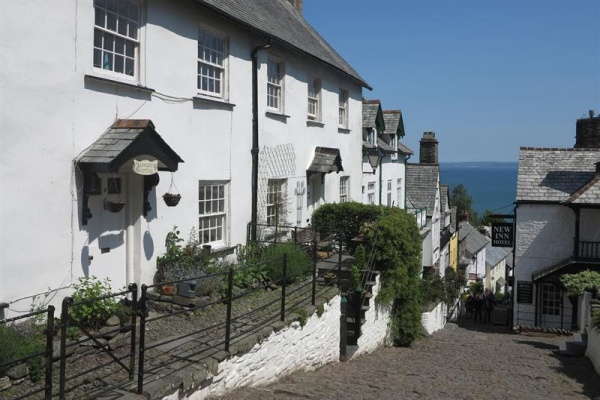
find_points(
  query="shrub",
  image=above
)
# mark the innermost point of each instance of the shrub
(298, 262)
(15, 345)
(577, 284)
(596, 319)
(432, 288)
(95, 313)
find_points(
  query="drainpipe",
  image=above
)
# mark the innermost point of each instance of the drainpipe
(254, 150)
(405, 168)
(380, 177)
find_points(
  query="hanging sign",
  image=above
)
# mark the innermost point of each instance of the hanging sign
(145, 167)
(502, 234)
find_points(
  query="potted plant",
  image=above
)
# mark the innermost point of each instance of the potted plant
(170, 266)
(329, 277)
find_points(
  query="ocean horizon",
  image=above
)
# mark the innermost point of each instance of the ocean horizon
(491, 184)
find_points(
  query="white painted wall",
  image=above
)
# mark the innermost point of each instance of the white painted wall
(435, 319)
(376, 329)
(593, 348)
(544, 236)
(53, 109)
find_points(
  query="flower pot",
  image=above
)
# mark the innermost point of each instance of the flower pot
(171, 200)
(168, 290)
(113, 206)
(329, 280)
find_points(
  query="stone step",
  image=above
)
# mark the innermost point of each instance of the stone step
(580, 337)
(572, 349)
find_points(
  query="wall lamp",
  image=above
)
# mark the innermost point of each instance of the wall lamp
(374, 159)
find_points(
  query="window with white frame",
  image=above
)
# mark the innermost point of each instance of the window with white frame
(389, 193)
(371, 136)
(550, 299)
(116, 35)
(274, 83)
(211, 63)
(276, 201)
(371, 193)
(399, 192)
(212, 205)
(314, 94)
(344, 188)
(343, 108)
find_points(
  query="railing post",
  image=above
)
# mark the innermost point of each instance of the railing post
(141, 356)
(134, 309)
(314, 273)
(339, 268)
(64, 322)
(283, 285)
(229, 301)
(49, 352)
(343, 328)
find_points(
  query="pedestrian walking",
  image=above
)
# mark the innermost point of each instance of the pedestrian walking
(478, 306)
(488, 305)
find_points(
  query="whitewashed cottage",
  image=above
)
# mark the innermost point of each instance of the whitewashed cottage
(108, 104)
(557, 226)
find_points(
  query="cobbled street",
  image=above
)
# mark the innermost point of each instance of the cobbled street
(463, 361)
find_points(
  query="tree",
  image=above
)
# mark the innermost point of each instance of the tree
(464, 202)
(487, 219)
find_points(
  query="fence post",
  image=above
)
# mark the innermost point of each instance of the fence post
(314, 273)
(283, 285)
(339, 268)
(134, 309)
(64, 322)
(141, 356)
(343, 328)
(49, 352)
(229, 301)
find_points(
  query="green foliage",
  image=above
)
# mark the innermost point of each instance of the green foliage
(487, 219)
(320, 309)
(397, 250)
(345, 219)
(182, 261)
(93, 314)
(298, 262)
(433, 289)
(476, 288)
(302, 313)
(595, 321)
(15, 344)
(577, 284)
(499, 296)
(454, 281)
(460, 198)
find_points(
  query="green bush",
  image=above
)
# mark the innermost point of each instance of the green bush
(433, 289)
(596, 319)
(577, 284)
(298, 262)
(15, 345)
(95, 313)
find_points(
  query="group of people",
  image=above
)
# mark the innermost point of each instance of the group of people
(480, 306)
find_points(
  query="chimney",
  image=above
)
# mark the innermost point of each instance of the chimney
(587, 134)
(463, 216)
(598, 168)
(297, 5)
(428, 152)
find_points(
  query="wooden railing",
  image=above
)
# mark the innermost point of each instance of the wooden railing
(589, 250)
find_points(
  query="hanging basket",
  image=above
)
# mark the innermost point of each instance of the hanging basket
(113, 206)
(171, 200)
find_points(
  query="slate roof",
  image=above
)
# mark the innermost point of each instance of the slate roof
(325, 160)
(494, 255)
(403, 149)
(553, 175)
(421, 186)
(588, 194)
(384, 146)
(371, 112)
(394, 123)
(125, 139)
(470, 239)
(444, 198)
(279, 20)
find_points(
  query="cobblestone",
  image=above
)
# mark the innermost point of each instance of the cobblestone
(467, 360)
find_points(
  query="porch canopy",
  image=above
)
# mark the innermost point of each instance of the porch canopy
(325, 160)
(567, 266)
(125, 139)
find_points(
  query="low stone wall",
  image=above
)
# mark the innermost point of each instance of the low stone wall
(376, 329)
(435, 319)
(593, 348)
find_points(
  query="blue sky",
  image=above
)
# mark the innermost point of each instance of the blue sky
(486, 76)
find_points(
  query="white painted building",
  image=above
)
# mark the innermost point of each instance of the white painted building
(557, 226)
(90, 86)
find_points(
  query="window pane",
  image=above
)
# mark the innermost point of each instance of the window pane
(122, 29)
(99, 17)
(129, 67)
(119, 64)
(111, 21)
(97, 58)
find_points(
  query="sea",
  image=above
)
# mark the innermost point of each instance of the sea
(491, 185)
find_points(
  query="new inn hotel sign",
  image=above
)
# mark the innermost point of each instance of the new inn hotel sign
(502, 234)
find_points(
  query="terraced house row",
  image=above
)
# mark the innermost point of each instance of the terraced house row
(235, 106)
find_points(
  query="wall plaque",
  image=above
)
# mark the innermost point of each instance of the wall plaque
(145, 167)
(524, 292)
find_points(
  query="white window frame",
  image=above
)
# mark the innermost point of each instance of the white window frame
(344, 189)
(212, 223)
(276, 192)
(314, 99)
(550, 298)
(371, 192)
(399, 191)
(343, 108)
(275, 74)
(212, 63)
(389, 193)
(116, 48)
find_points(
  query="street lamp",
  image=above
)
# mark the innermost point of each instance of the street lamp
(374, 159)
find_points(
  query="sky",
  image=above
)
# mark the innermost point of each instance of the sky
(486, 76)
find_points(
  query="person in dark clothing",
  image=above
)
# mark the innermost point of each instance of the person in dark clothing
(478, 306)
(488, 305)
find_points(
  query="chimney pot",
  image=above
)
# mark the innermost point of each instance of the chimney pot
(428, 151)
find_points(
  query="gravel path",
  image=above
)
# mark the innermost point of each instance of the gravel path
(463, 361)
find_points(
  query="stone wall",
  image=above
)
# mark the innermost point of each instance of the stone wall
(376, 329)
(593, 345)
(435, 319)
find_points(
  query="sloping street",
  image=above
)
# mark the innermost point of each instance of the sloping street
(463, 361)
